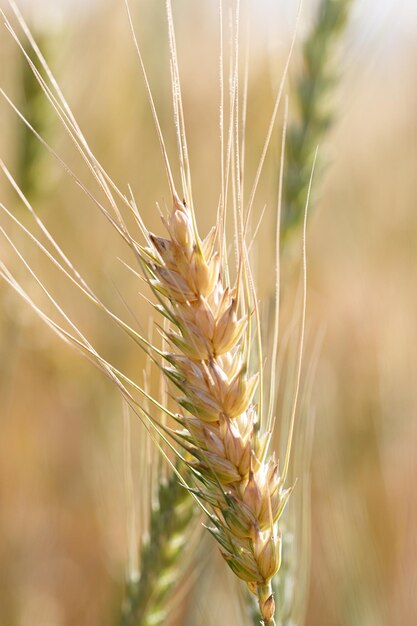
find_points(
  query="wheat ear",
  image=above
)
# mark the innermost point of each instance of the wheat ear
(236, 481)
(313, 91)
(235, 478)
(146, 598)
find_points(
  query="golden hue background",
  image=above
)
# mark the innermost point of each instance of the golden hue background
(63, 510)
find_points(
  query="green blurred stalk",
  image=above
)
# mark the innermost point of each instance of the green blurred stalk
(314, 90)
(146, 599)
(30, 177)
(31, 156)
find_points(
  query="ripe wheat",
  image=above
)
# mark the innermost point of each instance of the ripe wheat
(223, 431)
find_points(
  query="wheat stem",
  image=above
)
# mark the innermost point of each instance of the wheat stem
(266, 604)
(31, 174)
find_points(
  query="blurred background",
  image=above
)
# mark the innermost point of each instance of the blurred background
(63, 550)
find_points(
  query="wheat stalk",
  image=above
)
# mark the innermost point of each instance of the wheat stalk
(315, 115)
(31, 175)
(314, 88)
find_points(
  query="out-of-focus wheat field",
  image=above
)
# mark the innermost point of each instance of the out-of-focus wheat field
(62, 496)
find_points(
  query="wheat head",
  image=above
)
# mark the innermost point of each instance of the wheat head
(235, 477)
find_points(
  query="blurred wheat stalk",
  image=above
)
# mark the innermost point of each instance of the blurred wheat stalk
(225, 448)
(314, 90)
(161, 556)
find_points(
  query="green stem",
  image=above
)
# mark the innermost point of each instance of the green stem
(30, 154)
(266, 604)
(146, 599)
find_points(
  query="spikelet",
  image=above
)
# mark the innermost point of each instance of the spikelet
(241, 486)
